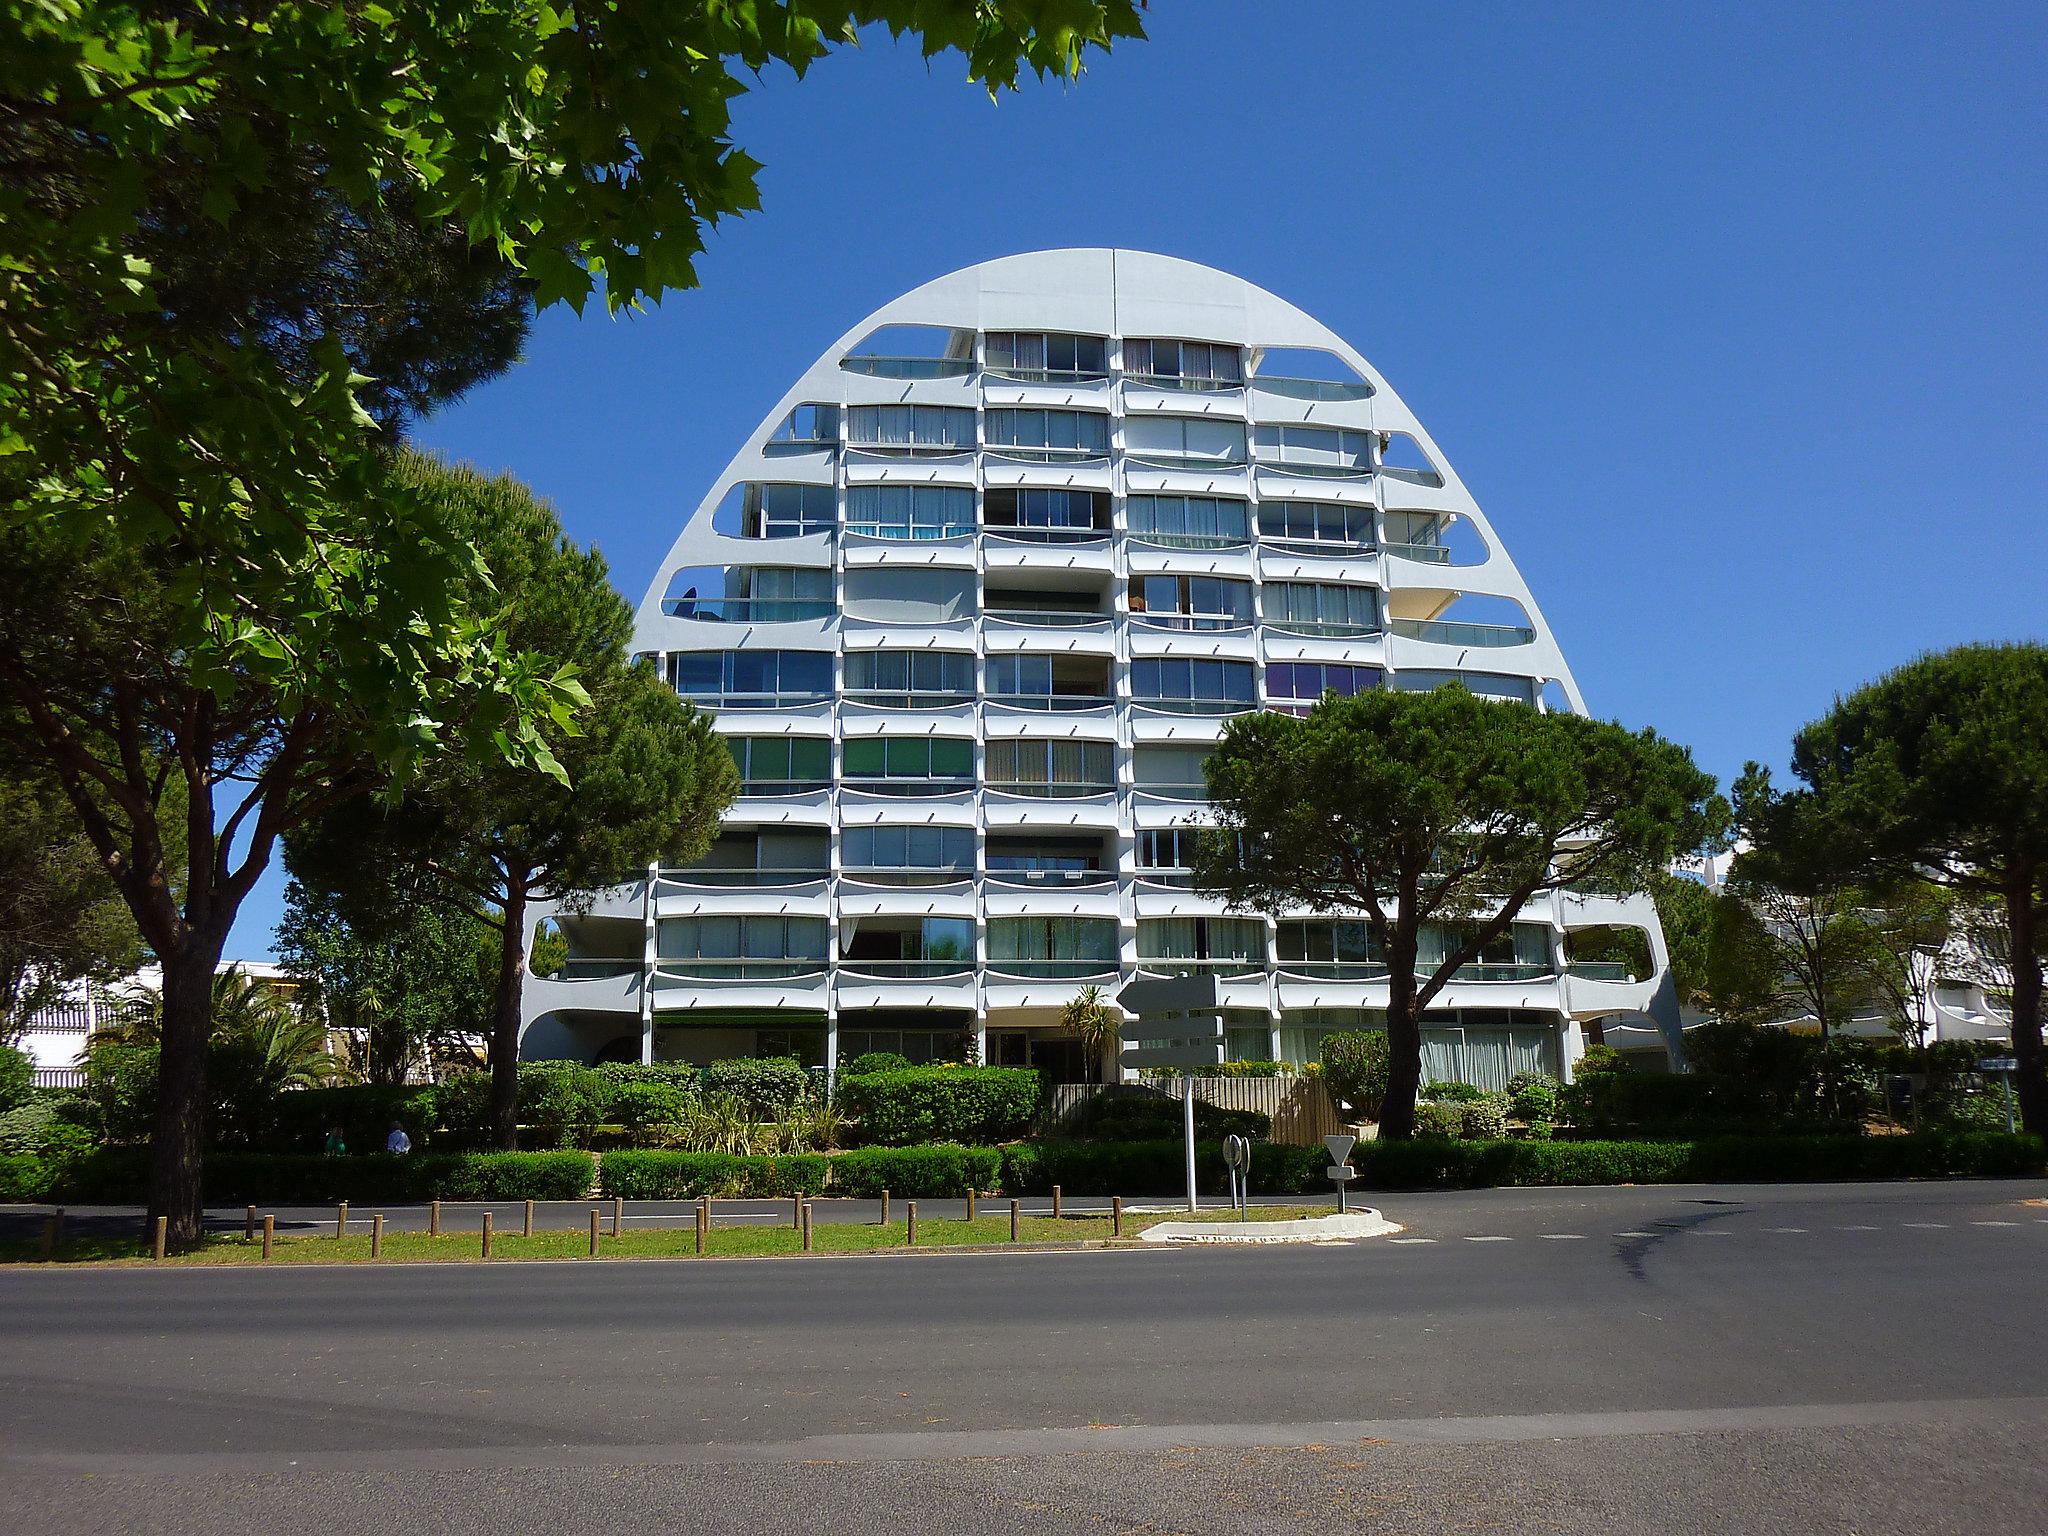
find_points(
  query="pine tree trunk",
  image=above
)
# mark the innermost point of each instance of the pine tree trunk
(178, 1139)
(1404, 1045)
(505, 1023)
(2030, 1082)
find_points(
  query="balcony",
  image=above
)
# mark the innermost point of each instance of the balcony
(1322, 629)
(1600, 970)
(907, 533)
(1191, 621)
(1053, 879)
(1427, 554)
(1181, 706)
(742, 610)
(1040, 790)
(1046, 618)
(1057, 970)
(1311, 389)
(595, 970)
(1334, 970)
(1021, 534)
(1454, 632)
(1226, 969)
(779, 789)
(907, 970)
(737, 969)
(730, 879)
(909, 788)
(877, 698)
(907, 875)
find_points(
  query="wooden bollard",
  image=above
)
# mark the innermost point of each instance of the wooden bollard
(341, 1219)
(526, 1230)
(910, 1210)
(1016, 1213)
(433, 1218)
(885, 1207)
(807, 1226)
(970, 1202)
(269, 1233)
(1116, 1215)
(249, 1227)
(48, 1245)
(618, 1216)
(796, 1210)
(1055, 1202)
(703, 1222)
(487, 1234)
(593, 1231)
(377, 1236)
(162, 1237)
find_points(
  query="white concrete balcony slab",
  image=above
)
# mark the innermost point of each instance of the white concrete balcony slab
(905, 893)
(1592, 990)
(1046, 388)
(1003, 987)
(1159, 898)
(810, 900)
(1009, 894)
(1300, 561)
(909, 984)
(680, 985)
(1316, 402)
(888, 811)
(1365, 650)
(1098, 638)
(1007, 550)
(1161, 397)
(1001, 809)
(1229, 644)
(615, 988)
(1149, 724)
(1161, 477)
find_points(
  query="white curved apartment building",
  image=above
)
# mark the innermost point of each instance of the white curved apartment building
(972, 603)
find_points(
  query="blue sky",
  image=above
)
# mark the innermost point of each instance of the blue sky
(1730, 316)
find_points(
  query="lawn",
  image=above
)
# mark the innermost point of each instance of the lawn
(752, 1240)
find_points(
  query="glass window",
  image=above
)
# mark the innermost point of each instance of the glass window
(1191, 362)
(1192, 602)
(1316, 522)
(787, 676)
(1020, 674)
(1202, 938)
(1189, 521)
(1332, 449)
(807, 425)
(940, 848)
(1065, 432)
(1177, 439)
(1045, 507)
(914, 676)
(1038, 353)
(1032, 766)
(1308, 681)
(1488, 685)
(1181, 679)
(910, 511)
(911, 428)
(921, 759)
(1321, 605)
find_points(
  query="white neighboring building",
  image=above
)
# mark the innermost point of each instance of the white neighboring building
(971, 605)
(56, 1034)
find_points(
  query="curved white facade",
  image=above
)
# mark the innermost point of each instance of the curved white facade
(972, 601)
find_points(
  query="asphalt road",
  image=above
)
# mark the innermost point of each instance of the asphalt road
(1739, 1358)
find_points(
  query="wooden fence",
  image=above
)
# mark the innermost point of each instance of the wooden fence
(1300, 1107)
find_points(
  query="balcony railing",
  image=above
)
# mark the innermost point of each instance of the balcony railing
(1452, 632)
(1198, 706)
(1169, 791)
(1429, 554)
(755, 610)
(1334, 970)
(1047, 618)
(879, 367)
(912, 533)
(1227, 969)
(1489, 971)
(1600, 970)
(911, 787)
(1042, 791)
(755, 700)
(596, 970)
(1053, 879)
(1177, 879)
(1159, 540)
(1038, 453)
(880, 698)
(1316, 469)
(1312, 389)
(1322, 627)
(743, 970)
(908, 874)
(1210, 621)
(1319, 546)
(1055, 702)
(1068, 970)
(1048, 375)
(906, 970)
(774, 789)
(728, 878)
(1154, 459)
(1025, 534)
(1179, 381)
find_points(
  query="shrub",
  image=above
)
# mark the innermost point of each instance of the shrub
(1532, 1099)
(1116, 1116)
(1439, 1119)
(641, 1105)
(1451, 1093)
(1485, 1118)
(505, 1175)
(121, 1082)
(917, 1172)
(120, 1175)
(1604, 1058)
(17, 1078)
(26, 1179)
(684, 1077)
(299, 1121)
(1354, 1063)
(687, 1175)
(874, 1061)
(562, 1104)
(770, 1087)
(1667, 1103)
(969, 1105)
(22, 1127)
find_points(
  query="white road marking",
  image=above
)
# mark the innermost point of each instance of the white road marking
(1856, 1229)
(1563, 1237)
(1994, 1223)
(1705, 1233)
(1926, 1226)
(1489, 1239)
(1784, 1229)
(1411, 1239)
(1635, 1234)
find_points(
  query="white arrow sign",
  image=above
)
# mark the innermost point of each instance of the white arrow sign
(1169, 994)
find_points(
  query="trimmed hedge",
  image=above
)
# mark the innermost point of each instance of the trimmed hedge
(300, 1121)
(918, 1105)
(120, 1176)
(1126, 1116)
(26, 1179)
(917, 1172)
(686, 1175)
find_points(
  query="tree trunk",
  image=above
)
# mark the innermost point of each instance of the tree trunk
(2030, 1082)
(178, 1139)
(505, 1023)
(1404, 1044)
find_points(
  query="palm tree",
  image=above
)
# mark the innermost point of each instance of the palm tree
(1095, 1022)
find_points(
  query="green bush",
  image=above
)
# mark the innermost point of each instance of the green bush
(1097, 1168)
(639, 1107)
(1674, 1104)
(17, 1078)
(1532, 1098)
(300, 1121)
(120, 1175)
(930, 1172)
(26, 1179)
(22, 1128)
(687, 1175)
(683, 1076)
(1603, 1058)
(1485, 1118)
(974, 1106)
(1439, 1118)
(562, 1104)
(770, 1087)
(874, 1061)
(1355, 1064)
(1126, 1116)
(1451, 1093)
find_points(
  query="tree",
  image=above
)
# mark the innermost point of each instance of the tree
(1721, 959)
(1438, 808)
(1939, 770)
(650, 777)
(1094, 1021)
(406, 978)
(61, 920)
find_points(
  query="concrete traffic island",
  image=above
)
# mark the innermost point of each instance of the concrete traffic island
(1314, 1229)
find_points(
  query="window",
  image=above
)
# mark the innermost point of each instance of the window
(1052, 946)
(912, 352)
(752, 677)
(1049, 682)
(1192, 684)
(1048, 434)
(911, 428)
(1190, 364)
(1046, 856)
(1191, 602)
(1228, 944)
(1173, 771)
(1189, 522)
(908, 765)
(910, 679)
(1294, 686)
(1488, 685)
(781, 765)
(937, 850)
(1316, 522)
(743, 946)
(1321, 608)
(1520, 953)
(1046, 512)
(1038, 355)
(1315, 450)
(1198, 440)
(761, 511)
(753, 594)
(1168, 848)
(893, 593)
(1322, 945)
(763, 856)
(810, 425)
(910, 511)
(1053, 769)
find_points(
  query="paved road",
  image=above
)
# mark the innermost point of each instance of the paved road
(1740, 1358)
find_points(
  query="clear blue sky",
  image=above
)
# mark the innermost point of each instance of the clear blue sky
(1730, 316)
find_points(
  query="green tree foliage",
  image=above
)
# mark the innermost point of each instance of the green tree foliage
(1417, 808)
(408, 979)
(1355, 1068)
(1939, 770)
(650, 778)
(1094, 1021)
(61, 920)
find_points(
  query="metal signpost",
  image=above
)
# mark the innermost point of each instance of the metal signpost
(1237, 1157)
(2004, 1066)
(1180, 1025)
(1341, 1172)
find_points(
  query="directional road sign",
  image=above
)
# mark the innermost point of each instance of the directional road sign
(1169, 994)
